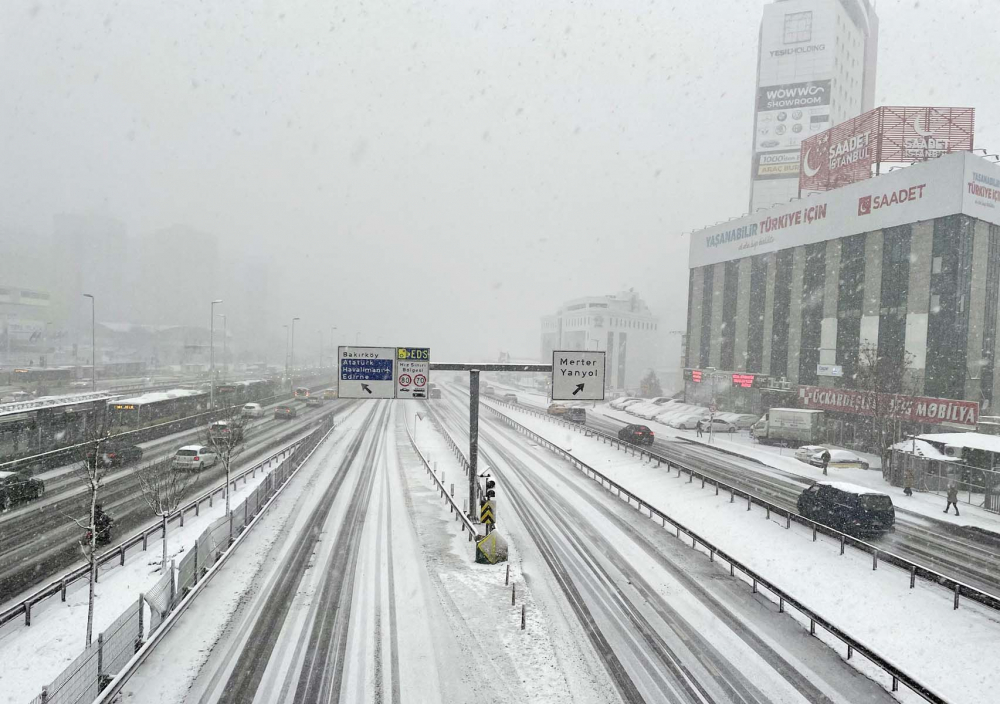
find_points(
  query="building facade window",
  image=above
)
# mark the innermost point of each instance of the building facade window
(707, 290)
(948, 322)
(798, 27)
(691, 322)
(850, 297)
(779, 314)
(813, 281)
(990, 321)
(894, 295)
(730, 293)
(755, 326)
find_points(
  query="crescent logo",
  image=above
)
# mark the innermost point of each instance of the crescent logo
(918, 129)
(810, 170)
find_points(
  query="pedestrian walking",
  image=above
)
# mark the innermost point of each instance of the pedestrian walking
(700, 431)
(825, 459)
(908, 481)
(952, 499)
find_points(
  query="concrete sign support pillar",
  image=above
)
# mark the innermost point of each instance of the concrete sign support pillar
(473, 439)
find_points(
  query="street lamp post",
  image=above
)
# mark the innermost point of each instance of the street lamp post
(93, 343)
(211, 345)
(225, 355)
(291, 381)
(286, 350)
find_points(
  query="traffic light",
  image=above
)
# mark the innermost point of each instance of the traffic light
(490, 493)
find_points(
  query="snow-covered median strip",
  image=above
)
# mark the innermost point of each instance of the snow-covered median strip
(916, 629)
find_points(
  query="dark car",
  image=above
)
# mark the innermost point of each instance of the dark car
(848, 508)
(314, 401)
(510, 398)
(636, 434)
(285, 412)
(575, 415)
(18, 488)
(113, 454)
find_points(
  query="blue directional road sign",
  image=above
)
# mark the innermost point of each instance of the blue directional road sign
(367, 372)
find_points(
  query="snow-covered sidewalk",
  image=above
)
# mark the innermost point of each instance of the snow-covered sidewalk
(917, 629)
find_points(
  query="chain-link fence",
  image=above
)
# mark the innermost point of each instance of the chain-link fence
(976, 486)
(86, 676)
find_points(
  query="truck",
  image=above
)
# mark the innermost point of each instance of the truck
(790, 426)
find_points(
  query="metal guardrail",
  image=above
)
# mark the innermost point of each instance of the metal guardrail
(735, 565)
(185, 596)
(60, 585)
(879, 555)
(466, 523)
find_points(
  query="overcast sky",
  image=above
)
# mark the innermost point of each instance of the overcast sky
(437, 173)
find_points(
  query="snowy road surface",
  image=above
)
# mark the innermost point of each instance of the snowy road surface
(664, 624)
(356, 587)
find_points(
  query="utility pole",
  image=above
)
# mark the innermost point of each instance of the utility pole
(93, 341)
(211, 345)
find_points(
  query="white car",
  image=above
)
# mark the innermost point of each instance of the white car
(807, 452)
(846, 459)
(252, 410)
(688, 422)
(194, 457)
(716, 425)
(621, 403)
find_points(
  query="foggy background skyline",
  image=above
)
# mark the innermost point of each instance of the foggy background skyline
(436, 174)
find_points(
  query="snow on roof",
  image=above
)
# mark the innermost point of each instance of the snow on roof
(157, 396)
(851, 488)
(922, 448)
(973, 441)
(53, 401)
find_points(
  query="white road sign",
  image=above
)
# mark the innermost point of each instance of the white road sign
(577, 375)
(413, 372)
(367, 372)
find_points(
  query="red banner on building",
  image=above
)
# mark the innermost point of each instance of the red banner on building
(916, 409)
(845, 153)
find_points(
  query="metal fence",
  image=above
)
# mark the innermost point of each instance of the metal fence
(84, 679)
(118, 554)
(976, 486)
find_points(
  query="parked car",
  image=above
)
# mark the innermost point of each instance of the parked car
(716, 425)
(576, 415)
(622, 403)
(685, 422)
(509, 398)
(807, 452)
(194, 457)
(18, 488)
(745, 421)
(113, 454)
(224, 430)
(252, 410)
(844, 459)
(636, 434)
(849, 508)
(285, 412)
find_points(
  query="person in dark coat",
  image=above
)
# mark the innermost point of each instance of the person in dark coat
(700, 431)
(825, 459)
(952, 499)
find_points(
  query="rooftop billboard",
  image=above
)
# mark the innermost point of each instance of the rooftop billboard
(954, 183)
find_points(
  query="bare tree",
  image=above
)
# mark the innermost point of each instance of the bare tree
(163, 489)
(226, 436)
(888, 395)
(92, 470)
